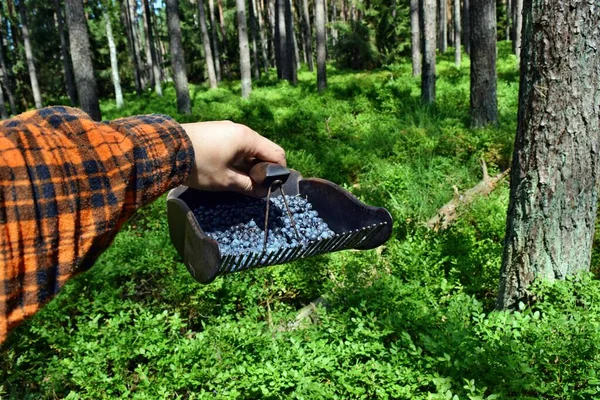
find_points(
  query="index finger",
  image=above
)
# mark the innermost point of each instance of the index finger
(266, 150)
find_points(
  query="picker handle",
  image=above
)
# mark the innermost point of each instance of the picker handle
(265, 173)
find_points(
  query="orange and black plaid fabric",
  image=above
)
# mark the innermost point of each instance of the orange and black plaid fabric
(67, 185)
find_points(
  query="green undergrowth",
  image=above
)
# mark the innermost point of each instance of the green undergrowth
(412, 319)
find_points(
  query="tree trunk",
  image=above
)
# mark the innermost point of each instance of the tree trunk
(427, 14)
(554, 179)
(321, 45)
(262, 35)
(307, 35)
(271, 14)
(245, 67)
(283, 53)
(210, 62)
(415, 37)
(334, 32)
(253, 34)
(291, 43)
(518, 29)
(184, 105)
(215, 39)
(156, 78)
(484, 103)
(149, 58)
(114, 64)
(508, 8)
(66, 58)
(126, 17)
(466, 27)
(133, 17)
(224, 38)
(443, 27)
(6, 71)
(81, 56)
(3, 113)
(35, 87)
(457, 33)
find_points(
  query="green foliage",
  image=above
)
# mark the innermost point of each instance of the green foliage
(412, 319)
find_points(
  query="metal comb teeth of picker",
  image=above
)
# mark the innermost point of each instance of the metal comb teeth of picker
(351, 223)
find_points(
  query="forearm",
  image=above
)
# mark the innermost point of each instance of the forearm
(68, 185)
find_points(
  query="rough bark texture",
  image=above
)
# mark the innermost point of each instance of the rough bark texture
(114, 63)
(427, 22)
(245, 67)
(3, 112)
(223, 38)
(484, 103)
(81, 56)
(415, 32)
(281, 42)
(64, 51)
(554, 179)
(153, 56)
(133, 17)
(321, 45)
(466, 26)
(5, 70)
(508, 8)
(208, 56)
(126, 18)
(35, 87)
(443, 26)
(262, 34)
(253, 35)
(518, 21)
(291, 43)
(184, 105)
(215, 39)
(457, 32)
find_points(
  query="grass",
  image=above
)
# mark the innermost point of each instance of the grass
(412, 319)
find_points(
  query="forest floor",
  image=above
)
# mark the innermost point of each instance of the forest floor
(412, 319)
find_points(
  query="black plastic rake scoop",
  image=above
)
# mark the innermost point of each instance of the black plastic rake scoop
(355, 225)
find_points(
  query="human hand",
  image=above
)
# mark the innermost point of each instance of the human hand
(225, 152)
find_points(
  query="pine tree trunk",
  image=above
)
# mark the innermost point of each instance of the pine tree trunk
(466, 26)
(282, 51)
(210, 62)
(334, 32)
(457, 33)
(4, 68)
(184, 105)
(223, 38)
(508, 8)
(114, 63)
(156, 78)
(518, 29)
(428, 14)
(291, 43)
(253, 34)
(271, 14)
(484, 103)
(126, 18)
(262, 35)
(81, 55)
(308, 35)
(443, 27)
(245, 67)
(149, 59)
(35, 87)
(555, 173)
(215, 39)
(415, 37)
(64, 51)
(133, 17)
(321, 45)
(3, 113)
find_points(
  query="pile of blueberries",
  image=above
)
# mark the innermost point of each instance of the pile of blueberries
(239, 227)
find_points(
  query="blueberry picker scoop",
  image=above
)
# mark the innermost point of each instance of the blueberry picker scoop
(351, 224)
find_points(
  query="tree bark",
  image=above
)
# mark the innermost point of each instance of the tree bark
(518, 29)
(210, 62)
(274, 34)
(215, 39)
(156, 75)
(262, 34)
(133, 17)
(81, 55)
(508, 8)
(321, 45)
(4, 68)
(555, 173)
(427, 14)
(126, 17)
(114, 63)
(307, 35)
(443, 27)
(415, 32)
(484, 103)
(334, 32)
(282, 51)
(253, 34)
(466, 27)
(245, 67)
(149, 58)
(291, 43)
(223, 38)
(66, 58)
(35, 87)
(184, 105)
(457, 33)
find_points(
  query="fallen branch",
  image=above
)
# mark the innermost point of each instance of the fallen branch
(449, 212)
(306, 312)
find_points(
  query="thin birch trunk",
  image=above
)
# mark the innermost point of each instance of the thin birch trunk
(156, 75)
(114, 63)
(126, 17)
(518, 29)
(428, 14)
(415, 29)
(245, 67)
(457, 33)
(35, 87)
(321, 45)
(215, 39)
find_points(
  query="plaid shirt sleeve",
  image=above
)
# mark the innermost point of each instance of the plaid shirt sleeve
(67, 186)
